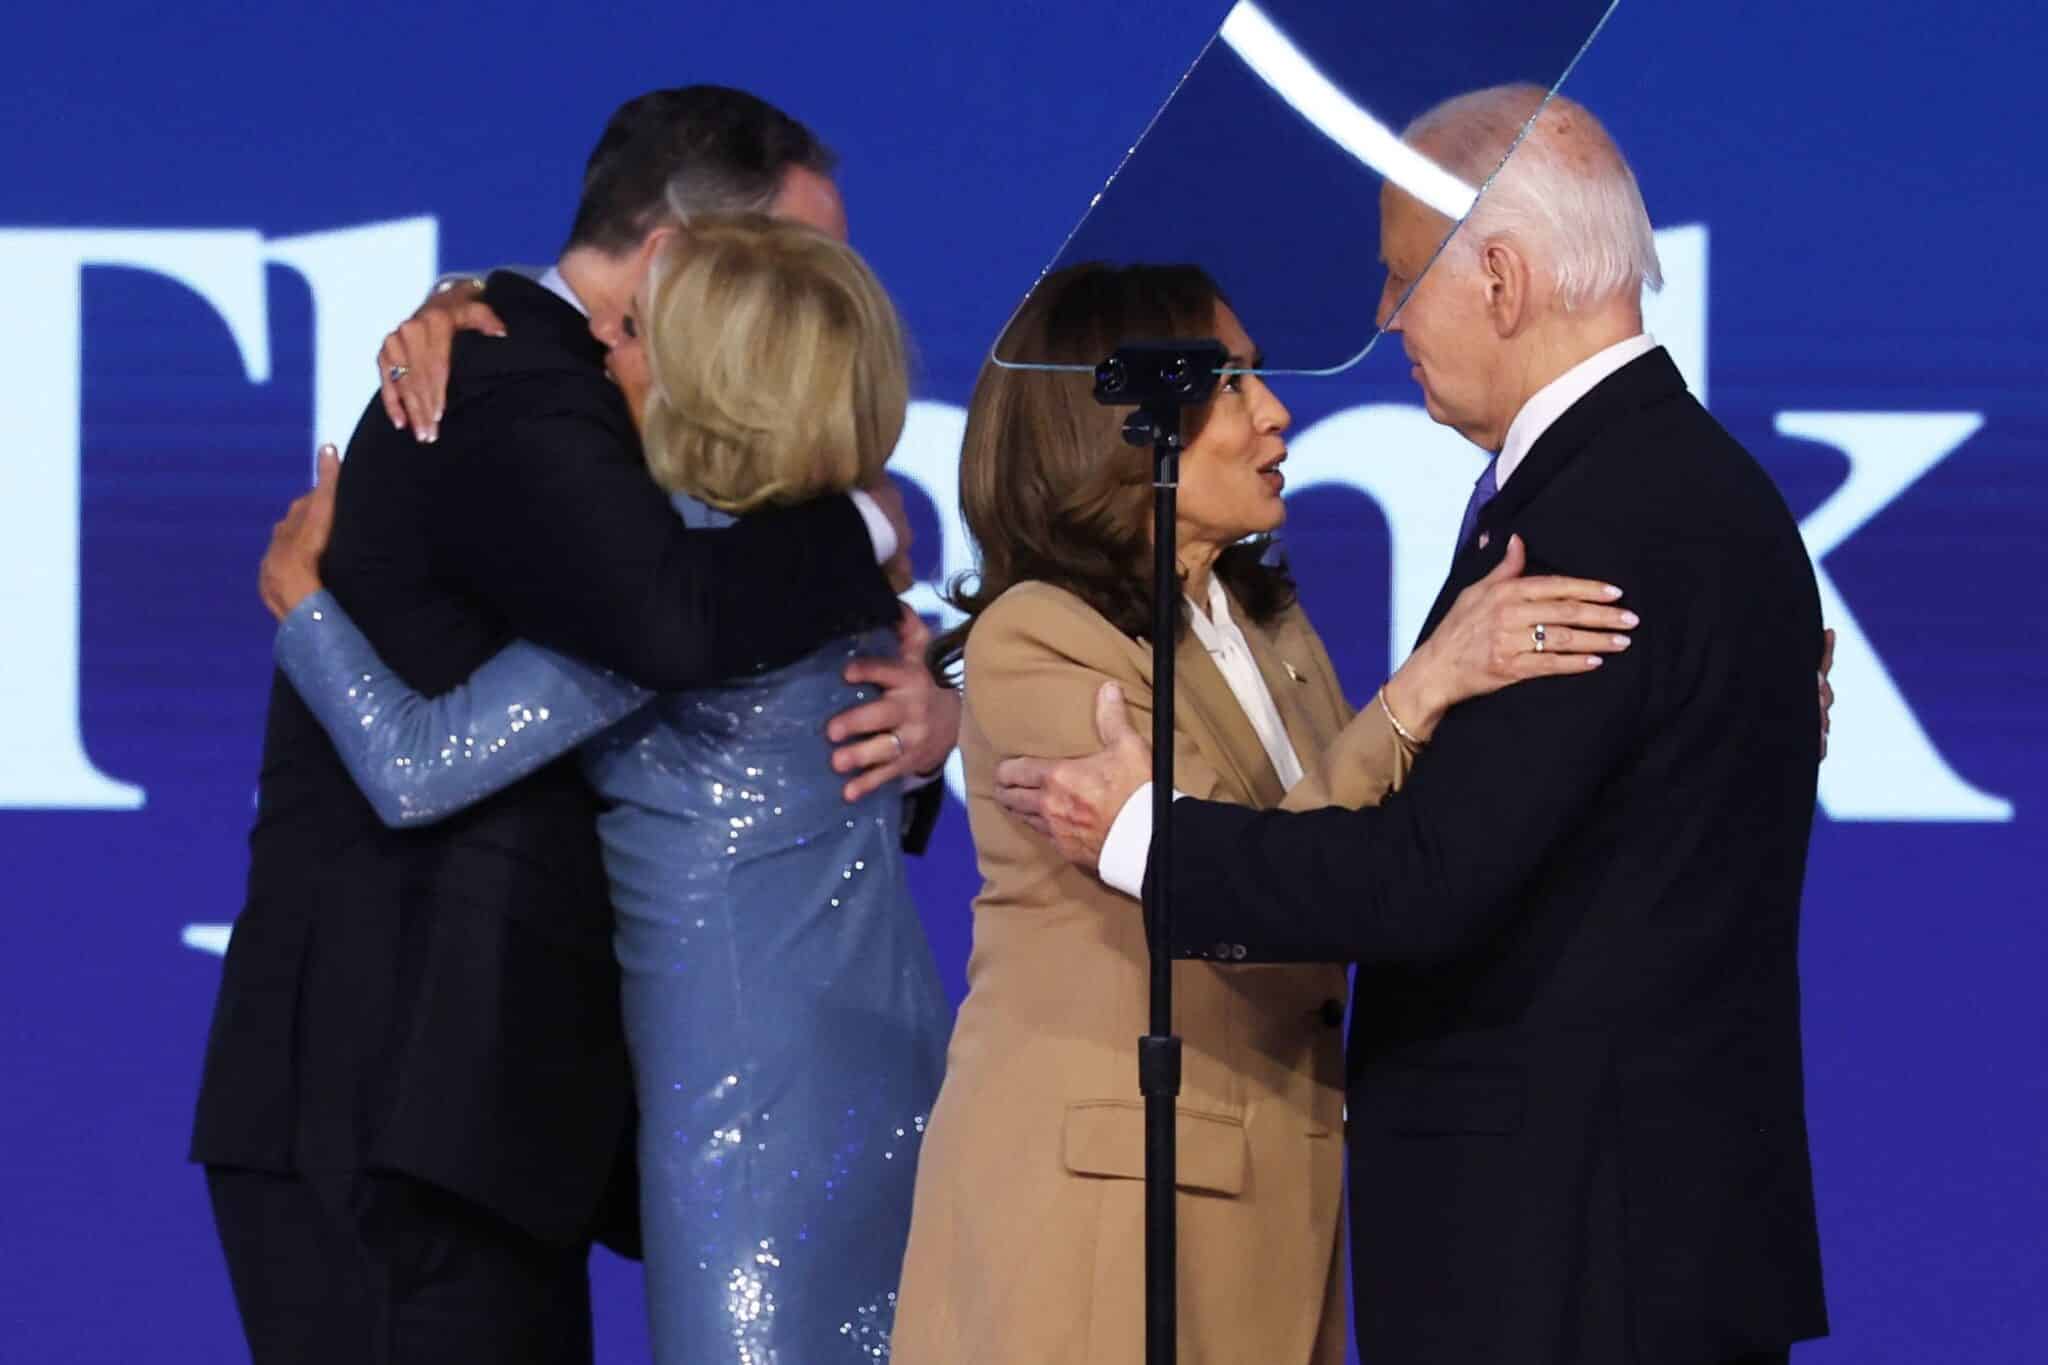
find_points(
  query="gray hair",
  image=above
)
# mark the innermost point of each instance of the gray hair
(1566, 195)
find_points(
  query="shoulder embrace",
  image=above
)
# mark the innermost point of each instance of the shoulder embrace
(1039, 617)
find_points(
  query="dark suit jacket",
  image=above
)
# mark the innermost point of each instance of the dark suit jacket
(443, 1001)
(1576, 1111)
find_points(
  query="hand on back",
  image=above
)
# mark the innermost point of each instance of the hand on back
(290, 572)
(412, 365)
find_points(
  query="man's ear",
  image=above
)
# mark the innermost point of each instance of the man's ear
(1509, 282)
(655, 242)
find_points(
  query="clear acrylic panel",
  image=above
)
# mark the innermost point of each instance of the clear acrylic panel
(1265, 165)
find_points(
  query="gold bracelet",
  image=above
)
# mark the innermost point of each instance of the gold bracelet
(442, 286)
(1395, 721)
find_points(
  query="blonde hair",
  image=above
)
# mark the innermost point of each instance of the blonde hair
(776, 365)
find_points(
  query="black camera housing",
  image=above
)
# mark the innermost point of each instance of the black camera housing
(1145, 373)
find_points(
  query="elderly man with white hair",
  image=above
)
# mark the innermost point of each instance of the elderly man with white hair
(1576, 1117)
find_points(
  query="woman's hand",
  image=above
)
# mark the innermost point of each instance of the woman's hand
(290, 572)
(1827, 689)
(1505, 629)
(412, 365)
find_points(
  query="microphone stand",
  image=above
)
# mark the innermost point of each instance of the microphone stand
(1161, 378)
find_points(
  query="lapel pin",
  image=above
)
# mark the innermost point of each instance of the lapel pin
(1485, 539)
(1291, 671)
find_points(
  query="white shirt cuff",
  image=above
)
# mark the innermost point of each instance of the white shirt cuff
(1127, 848)
(879, 530)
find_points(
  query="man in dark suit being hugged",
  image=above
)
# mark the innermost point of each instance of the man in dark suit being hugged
(417, 1113)
(1576, 1115)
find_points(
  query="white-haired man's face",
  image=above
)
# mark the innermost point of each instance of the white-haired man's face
(1447, 327)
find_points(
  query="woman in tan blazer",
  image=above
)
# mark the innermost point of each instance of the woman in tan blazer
(1027, 1233)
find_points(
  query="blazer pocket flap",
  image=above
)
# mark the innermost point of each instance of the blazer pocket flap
(1445, 1099)
(1107, 1138)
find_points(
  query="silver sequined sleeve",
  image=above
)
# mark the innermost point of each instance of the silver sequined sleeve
(420, 759)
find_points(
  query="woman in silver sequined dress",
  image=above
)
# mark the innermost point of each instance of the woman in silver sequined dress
(785, 1018)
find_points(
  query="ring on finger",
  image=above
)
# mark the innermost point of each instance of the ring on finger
(1541, 635)
(899, 743)
(398, 372)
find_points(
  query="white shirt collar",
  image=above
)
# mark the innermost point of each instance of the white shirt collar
(559, 287)
(1556, 398)
(1210, 628)
(1231, 652)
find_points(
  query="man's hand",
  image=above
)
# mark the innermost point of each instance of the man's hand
(1827, 689)
(290, 572)
(1074, 801)
(909, 730)
(412, 365)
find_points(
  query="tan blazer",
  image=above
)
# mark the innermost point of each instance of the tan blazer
(1027, 1236)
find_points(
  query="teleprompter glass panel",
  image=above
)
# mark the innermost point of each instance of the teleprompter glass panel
(1272, 161)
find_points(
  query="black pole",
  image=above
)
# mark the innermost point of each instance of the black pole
(1160, 378)
(1159, 1049)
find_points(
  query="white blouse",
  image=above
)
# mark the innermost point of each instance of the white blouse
(1219, 633)
(1127, 846)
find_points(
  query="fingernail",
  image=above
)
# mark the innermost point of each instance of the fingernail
(1611, 591)
(1592, 661)
(439, 413)
(1631, 620)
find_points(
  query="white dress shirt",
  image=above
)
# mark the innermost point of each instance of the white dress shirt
(1556, 398)
(880, 532)
(1128, 846)
(1129, 842)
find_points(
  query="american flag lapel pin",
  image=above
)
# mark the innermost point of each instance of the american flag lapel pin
(1292, 672)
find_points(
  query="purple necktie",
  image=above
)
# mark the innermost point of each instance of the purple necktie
(1482, 493)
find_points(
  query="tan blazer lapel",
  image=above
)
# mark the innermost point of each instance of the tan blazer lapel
(1295, 693)
(1222, 723)
(1206, 711)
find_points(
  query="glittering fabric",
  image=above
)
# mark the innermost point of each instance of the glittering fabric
(785, 1018)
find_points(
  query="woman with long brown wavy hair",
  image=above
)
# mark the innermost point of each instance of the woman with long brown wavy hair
(1027, 1233)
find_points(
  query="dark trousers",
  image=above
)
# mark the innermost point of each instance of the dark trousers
(360, 1268)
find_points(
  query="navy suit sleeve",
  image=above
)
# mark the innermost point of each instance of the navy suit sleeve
(1435, 870)
(563, 532)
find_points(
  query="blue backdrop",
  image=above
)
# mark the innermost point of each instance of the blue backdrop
(212, 212)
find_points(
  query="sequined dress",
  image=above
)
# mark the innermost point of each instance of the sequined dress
(784, 1014)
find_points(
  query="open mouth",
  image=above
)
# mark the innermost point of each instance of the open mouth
(1269, 473)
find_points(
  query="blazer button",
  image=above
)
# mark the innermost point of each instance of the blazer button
(1221, 952)
(1237, 951)
(1332, 1013)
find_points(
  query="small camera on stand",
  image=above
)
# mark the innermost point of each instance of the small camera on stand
(1159, 378)
(1177, 372)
